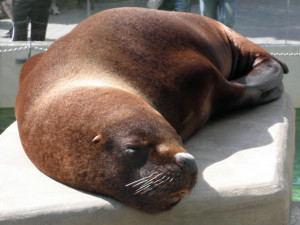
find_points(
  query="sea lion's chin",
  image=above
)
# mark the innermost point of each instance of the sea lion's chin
(159, 201)
(165, 201)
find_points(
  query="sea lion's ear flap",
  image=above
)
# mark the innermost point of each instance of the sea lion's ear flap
(97, 139)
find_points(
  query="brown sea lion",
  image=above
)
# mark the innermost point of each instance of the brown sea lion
(105, 108)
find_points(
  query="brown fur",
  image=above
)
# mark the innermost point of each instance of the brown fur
(132, 77)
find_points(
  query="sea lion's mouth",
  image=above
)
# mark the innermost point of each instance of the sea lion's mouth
(161, 191)
(169, 184)
(156, 188)
(165, 202)
(178, 195)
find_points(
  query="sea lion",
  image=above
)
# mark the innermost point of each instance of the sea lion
(105, 109)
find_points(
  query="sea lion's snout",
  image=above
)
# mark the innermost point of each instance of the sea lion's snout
(189, 171)
(187, 162)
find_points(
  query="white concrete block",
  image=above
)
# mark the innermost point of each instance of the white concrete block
(245, 162)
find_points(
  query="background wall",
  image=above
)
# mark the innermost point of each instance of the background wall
(291, 56)
(11, 57)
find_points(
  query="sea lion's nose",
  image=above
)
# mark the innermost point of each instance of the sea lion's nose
(187, 161)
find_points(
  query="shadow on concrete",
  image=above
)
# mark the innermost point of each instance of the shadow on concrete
(231, 133)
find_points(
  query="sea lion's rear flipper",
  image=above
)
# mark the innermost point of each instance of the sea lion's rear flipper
(256, 70)
(263, 83)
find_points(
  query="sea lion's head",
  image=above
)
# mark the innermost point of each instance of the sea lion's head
(108, 141)
(142, 157)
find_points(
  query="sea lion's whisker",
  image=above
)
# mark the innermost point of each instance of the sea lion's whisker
(164, 184)
(142, 189)
(156, 185)
(140, 183)
(146, 184)
(151, 180)
(156, 176)
(159, 179)
(142, 180)
(151, 183)
(152, 189)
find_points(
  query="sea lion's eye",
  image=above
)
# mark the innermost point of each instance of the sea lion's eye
(130, 149)
(136, 154)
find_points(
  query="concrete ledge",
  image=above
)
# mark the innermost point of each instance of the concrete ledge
(245, 162)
